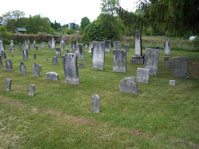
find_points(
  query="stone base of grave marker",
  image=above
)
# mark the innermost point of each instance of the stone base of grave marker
(137, 60)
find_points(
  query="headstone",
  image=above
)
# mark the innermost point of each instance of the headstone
(1, 61)
(167, 48)
(128, 85)
(26, 45)
(55, 60)
(53, 43)
(52, 76)
(95, 104)
(58, 52)
(1, 48)
(8, 65)
(34, 44)
(25, 54)
(36, 69)
(80, 51)
(43, 45)
(138, 58)
(151, 60)
(116, 45)
(49, 44)
(90, 47)
(98, 55)
(62, 44)
(71, 68)
(8, 84)
(34, 56)
(31, 90)
(172, 82)
(126, 47)
(12, 46)
(142, 75)
(107, 46)
(119, 61)
(22, 68)
(179, 66)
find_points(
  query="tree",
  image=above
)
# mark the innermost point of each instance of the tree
(56, 26)
(109, 6)
(84, 22)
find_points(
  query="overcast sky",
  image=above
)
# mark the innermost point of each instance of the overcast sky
(63, 11)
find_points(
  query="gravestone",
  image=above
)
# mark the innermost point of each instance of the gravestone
(43, 45)
(95, 104)
(52, 76)
(36, 69)
(167, 48)
(179, 66)
(22, 68)
(90, 47)
(8, 65)
(62, 44)
(31, 90)
(1, 48)
(138, 58)
(25, 54)
(58, 52)
(119, 61)
(107, 46)
(70, 68)
(151, 60)
(34, 44)
(55, 60)
(26, 45)
(126, 47)
(12, 46)
(128, 85)
(116, 45)
(80, 51)
(1, 61)
(8, 84)
(172, 82)
(53, 43)
(98, 55)
(34, 56)
(49, 44)
(142, 75)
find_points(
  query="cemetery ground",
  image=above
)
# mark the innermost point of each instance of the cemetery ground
(60, 116)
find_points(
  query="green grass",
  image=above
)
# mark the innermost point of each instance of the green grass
(59, 115)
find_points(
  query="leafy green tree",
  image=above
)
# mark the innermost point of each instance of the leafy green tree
(84, 22)
(56, 26)
(109, 6)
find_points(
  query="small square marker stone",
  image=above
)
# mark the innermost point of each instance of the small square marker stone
(172, 82)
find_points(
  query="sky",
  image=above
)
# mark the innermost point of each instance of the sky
(63, 11)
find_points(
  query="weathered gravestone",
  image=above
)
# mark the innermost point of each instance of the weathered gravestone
(8, 65)
(34, 44)
(52, 76)
(1, 61)
(80, 51)
(71, 68)
(31, 90)
(22, 68)
(95, 104)
(12, 46)
(119, 61)
(8, 84)
(172, 82)
(179, 66)
(36, 69)
(53, 43)
(43, 45)
(151, 60)
(167, 48)
(90, 47)
(116, 45)
(26, 45)
(128, 85)
(1, 48)
(58, 52)
(62, 44)
(138, 58)
(25, 54)
(142, 75)
(98, 55)
(55, 60)
(107, 45)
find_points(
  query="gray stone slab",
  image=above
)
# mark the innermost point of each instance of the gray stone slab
(8, 65)
(128, 85)
(167, 48)
(12, 46)
(22, 68)
(172, 82)
(25, 54)
(80, 51)
(119, 61)
(95, 104)
(36, 70)
(1, 61)
(138, 45)
(8, 84)
(52, 76)
(31, 90)
(142, 75)
(1, 47)
(55, 60)
(116, 45)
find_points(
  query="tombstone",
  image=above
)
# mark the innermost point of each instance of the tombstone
(53, 43)
(31, 90)
(116, 45)
(151, 60)
(80, 51)
(107, 46)
(1, 61)
(172, 82)
(167, 48)
(119, 61)
(1, 48)
(8, 84)
(70, 68)
(34, 56)
(52, 76)
(62, 44)
(179, 67)
(128, 85)
(22, 68)
(12, 46)
(49, 44)
(34, 44)
(43, 45)
(58, 52)
(142, 75)
(126, 47)
(36, 69)
(138, 58)
(98, 55)
(25, 54)
(95, 104)
(26, 45)
(55, 60)
(8, 65)
(90, 47)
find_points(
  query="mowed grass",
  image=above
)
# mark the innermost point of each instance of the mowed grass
(59, 115)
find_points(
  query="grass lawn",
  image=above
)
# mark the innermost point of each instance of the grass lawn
(59, 115)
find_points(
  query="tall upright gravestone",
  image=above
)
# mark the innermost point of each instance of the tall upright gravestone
(22, 68)
(179, 66)
(36, 70)
(138, 58)
(8, 65)
(119, 61)
(70, 68)
(25, 54)
(1, 49)
(98, 55)
(151, 60)
(12, 46)
(1, 61)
